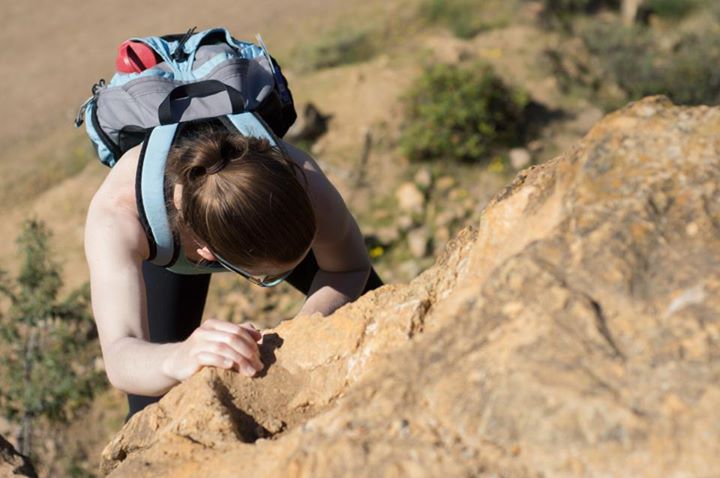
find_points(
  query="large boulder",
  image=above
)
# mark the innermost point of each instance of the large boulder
(573, 332)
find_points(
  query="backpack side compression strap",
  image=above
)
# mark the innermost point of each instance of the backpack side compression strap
(150, 194)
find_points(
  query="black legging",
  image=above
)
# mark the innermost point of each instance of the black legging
(175, 304)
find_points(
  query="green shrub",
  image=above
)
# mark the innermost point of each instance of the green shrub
(565, 8)
(687, 73)
(460, 113)
(462, 17)
(670, 9)
(47, 365)
(340, 46)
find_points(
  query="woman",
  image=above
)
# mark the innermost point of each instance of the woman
(235, 203)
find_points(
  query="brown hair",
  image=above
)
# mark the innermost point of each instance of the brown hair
(241, 196)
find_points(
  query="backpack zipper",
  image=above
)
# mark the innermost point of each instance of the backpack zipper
(80, 118)
(179, 53)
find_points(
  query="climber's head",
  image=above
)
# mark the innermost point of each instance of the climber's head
(241, 199)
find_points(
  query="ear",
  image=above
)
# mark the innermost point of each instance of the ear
(205, 253)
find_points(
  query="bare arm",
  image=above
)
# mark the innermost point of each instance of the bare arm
(133, 365)
(339, 247)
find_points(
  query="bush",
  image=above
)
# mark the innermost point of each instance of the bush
(687, 73)
(47, 367)
(463, 17)
(566, 8)
(341, 46)
(460, 113)
(670, 9)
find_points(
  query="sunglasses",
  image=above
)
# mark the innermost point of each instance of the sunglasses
(265, 280)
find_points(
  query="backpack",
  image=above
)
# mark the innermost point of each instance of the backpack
(198, 75)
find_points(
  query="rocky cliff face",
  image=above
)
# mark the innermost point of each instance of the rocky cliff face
(574, 331)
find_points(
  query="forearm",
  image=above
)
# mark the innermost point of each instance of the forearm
(139, 367)
(331, 290)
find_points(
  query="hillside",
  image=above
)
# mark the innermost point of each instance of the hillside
(356, 61)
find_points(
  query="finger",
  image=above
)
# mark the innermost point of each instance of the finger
(241, 343)
(228, 352)
(223, 359)
(247, 368)
(213, 360)
(216, 324)
(254, 333)
(245, 328)
(233, 330)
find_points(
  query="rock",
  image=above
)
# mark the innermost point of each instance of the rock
(423, 179)
(441, 237)
(388, 235)
(457, 194)
(99, 364)
(418, 240)
(410, 198)
(519, 158)
(309, 126)
(12, 463)
(573, 332)
(445, 218)
(409, 269)
(405, 222)
(444, 184)
(535, 146)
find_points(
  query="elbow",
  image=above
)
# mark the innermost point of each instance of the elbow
(112, 369)
(114, 379)
(113, 375)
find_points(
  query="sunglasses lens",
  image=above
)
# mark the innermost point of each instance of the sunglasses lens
(263, 281)
(273, 280)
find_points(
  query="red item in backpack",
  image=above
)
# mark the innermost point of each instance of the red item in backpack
(134, 57)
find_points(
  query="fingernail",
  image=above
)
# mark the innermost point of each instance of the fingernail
(249, 371)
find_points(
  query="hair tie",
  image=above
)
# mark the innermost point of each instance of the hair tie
(218, 165)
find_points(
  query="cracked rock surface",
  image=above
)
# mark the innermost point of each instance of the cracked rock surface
(573, 332)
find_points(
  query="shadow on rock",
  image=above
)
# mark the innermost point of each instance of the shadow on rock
(271, 342)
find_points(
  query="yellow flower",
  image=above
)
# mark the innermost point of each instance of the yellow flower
(376, 251)
(496, 165)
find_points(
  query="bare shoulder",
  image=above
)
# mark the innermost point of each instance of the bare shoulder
(339, 244)
(112, 225)
(119, 183)
(300, 157)
(319, 187)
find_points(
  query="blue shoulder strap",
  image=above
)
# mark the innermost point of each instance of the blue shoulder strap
(150, 192)
(250, 124)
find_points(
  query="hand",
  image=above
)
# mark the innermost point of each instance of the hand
(216, 343)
